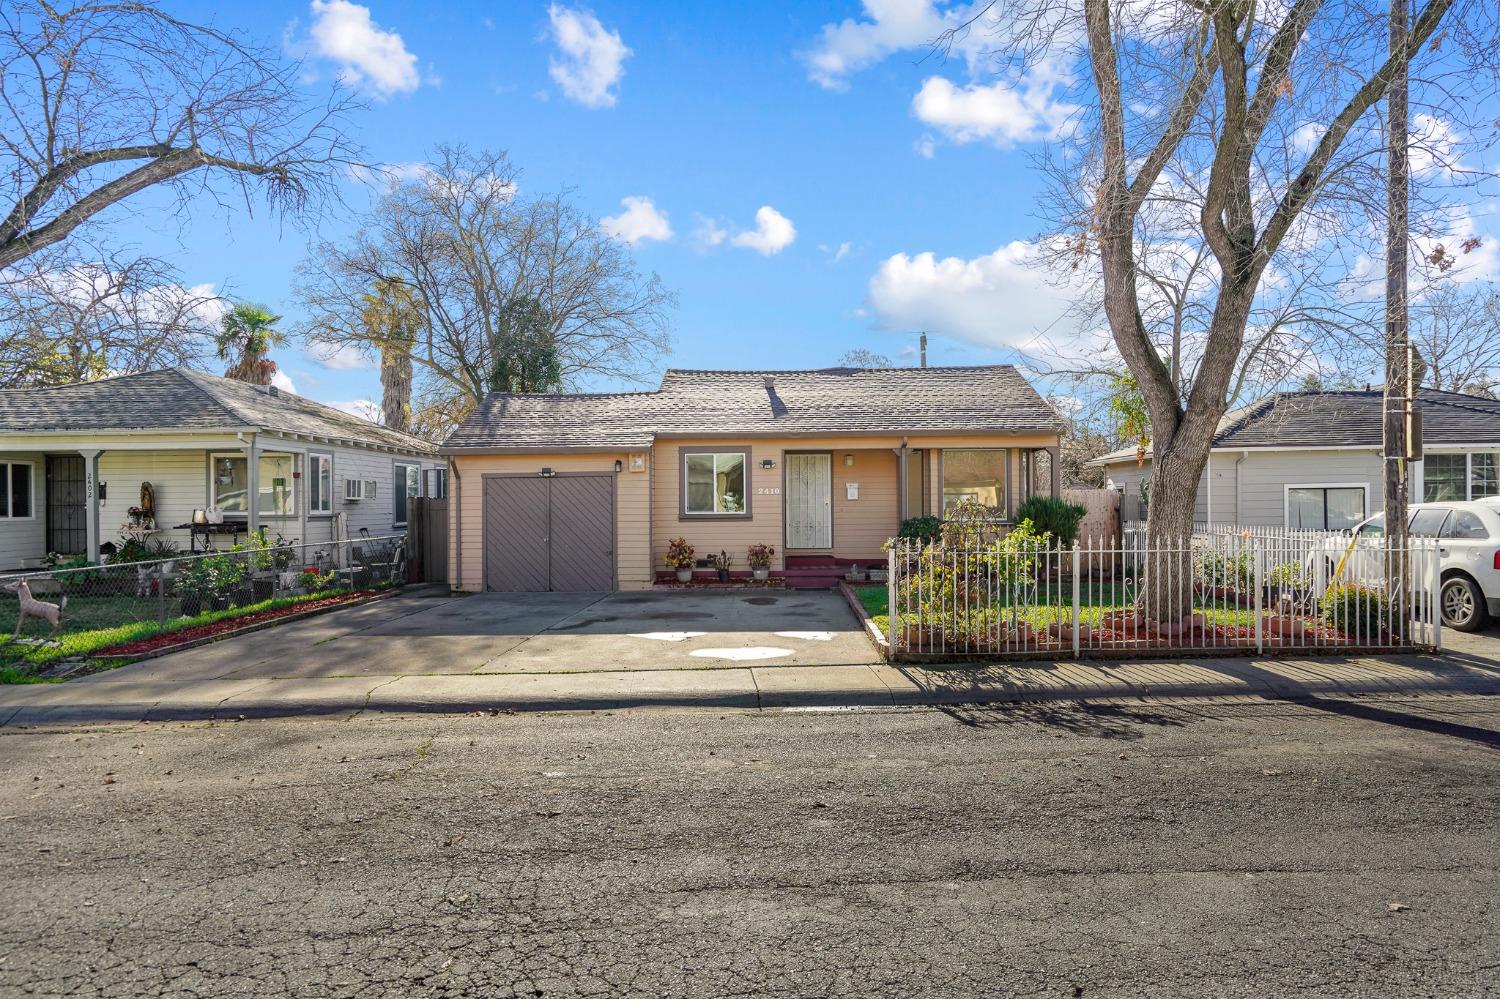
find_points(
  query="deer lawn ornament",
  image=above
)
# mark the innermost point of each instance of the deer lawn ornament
(32, 607)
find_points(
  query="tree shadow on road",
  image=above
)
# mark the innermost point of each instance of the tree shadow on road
(1388, 715)
(1090, 718)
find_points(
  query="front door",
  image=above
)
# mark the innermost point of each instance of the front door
(67, 511)
(809, 500)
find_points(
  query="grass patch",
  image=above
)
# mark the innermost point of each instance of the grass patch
(22, 661)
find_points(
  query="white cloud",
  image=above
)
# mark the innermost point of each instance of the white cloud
(1005, 112)
(837, 253)
(709, 233)
(925, 147)
(996, 300)
(773, 232)
(365, 409)
(640, 221)
(591, 60)
(343, 357)
(283, 381)
(889, 26)
(369, 57)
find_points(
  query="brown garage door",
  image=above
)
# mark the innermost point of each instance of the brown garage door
(553, 533)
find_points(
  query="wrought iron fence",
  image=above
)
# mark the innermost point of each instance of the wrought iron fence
(1024, 596)
(76, 596)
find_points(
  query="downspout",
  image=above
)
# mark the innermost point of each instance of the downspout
(1243, 455)
(905, 501)
(456, 520)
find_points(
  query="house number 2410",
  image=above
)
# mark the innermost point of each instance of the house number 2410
(768, 490)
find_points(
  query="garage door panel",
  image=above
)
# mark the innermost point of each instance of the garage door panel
(583, 533)
(515, 534)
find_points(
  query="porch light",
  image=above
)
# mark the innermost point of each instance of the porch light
(619, 465)
(768, 463)
(848, 461)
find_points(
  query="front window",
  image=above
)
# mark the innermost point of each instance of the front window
(437, 483)
(319, 483)
(408, 483)
(714, 483)
(974, 475)
(1324, 508)
(1443, 478)
(230, 483)
(15, 489)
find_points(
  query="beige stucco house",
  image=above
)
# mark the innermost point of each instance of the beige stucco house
(585, 491)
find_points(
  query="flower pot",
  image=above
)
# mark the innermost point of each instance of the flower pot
(684, 575)
(761, 574)
(723, 575)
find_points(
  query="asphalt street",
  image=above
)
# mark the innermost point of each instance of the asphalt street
(1339, 847)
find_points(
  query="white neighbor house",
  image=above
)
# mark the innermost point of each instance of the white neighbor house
(73, 459)
(1311, 460)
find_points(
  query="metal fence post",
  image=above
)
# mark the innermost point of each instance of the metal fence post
(1076, 596)
(1434, 599)
(161, 594)
(1260, 624)
(890, 598)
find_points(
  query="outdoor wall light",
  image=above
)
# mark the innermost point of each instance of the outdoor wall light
(547, 473)
(619, 465)
(768, 463)
(848, 461)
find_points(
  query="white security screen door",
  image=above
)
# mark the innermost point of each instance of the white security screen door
(809, 501)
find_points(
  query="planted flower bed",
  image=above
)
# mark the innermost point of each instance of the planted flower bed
(237, 622)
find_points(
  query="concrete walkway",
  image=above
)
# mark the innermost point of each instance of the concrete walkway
(161, 699)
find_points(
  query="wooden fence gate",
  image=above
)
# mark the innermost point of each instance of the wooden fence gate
(427, 540)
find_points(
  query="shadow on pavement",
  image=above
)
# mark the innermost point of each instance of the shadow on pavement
(1104, 721)
(1403, 719)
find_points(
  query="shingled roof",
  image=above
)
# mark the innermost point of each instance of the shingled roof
(181, 399)
(1349, 419)
(991, 398)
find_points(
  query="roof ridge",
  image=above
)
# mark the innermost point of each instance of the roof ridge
(196, 379)
(833, 367)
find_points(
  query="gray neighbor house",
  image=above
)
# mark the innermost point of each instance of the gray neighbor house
(1311, 460)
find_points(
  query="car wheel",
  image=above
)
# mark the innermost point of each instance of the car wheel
(1463, 604)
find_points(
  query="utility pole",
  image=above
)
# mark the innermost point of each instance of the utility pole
(1399, 397)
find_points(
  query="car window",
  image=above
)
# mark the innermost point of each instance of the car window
(1428, 523)
(1466, 526)
(1374, 527)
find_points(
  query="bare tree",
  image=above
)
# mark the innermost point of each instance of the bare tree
(863, 357)
(1455, 328)
(470, 249)
(1257, 125)
(64, 320)
(102, 100)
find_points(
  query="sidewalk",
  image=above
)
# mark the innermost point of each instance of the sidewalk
(758, 687)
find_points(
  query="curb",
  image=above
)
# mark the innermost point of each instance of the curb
(872, 632)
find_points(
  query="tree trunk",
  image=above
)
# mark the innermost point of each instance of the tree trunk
(395, 387)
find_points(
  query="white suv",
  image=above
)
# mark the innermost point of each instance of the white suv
(1468, 536)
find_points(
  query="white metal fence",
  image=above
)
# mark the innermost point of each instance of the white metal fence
(1215, 592)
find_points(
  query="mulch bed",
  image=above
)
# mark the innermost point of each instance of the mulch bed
(166, 639)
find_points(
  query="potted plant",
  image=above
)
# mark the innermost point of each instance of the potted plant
(855, 574)
(679, 557)
(722, 562)
(759, 557)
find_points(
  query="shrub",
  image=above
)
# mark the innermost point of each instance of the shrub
(680, 554)
(759, 556)
(316, 582)
(1356, 610)
(1216, 568)
(960, 589)
(1050, 515)
(922, 529)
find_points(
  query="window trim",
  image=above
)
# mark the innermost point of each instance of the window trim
(312, 457)
(213, 490)
(405, 479)
(30, 467)
(683, 454)
(1286, 502)
(1007, 486)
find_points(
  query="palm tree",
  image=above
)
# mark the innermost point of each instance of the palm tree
(247, 337)
(392, 322)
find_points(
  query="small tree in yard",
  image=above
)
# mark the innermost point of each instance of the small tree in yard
(1243, 138)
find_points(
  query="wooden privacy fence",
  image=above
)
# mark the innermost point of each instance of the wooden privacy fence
(1101, 512)
(427, 540)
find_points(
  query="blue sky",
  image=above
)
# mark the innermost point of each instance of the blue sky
(717, 111)
(807, 177)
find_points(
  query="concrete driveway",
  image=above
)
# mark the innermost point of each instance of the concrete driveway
(427, 632)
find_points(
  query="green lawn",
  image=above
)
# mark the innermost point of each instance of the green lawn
(1095, 600)
(105, 621)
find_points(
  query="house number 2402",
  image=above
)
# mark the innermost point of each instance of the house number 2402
(768, 490)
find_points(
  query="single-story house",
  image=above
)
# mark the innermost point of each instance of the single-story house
(73, 460)
(584, 492)
(1312, 460)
